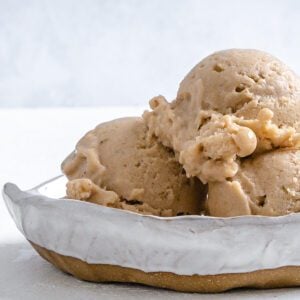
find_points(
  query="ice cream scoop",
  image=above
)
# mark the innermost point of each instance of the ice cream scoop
(232, 104)
(228, 80)
(267, 184)
(118, 165)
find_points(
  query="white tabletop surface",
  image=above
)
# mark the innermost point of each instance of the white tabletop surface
(33, 143)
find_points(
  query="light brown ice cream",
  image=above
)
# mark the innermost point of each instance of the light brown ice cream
(228, 80)
(213, 155)
(234, 124)
(268, 184)
(118, 165)
(232, 104)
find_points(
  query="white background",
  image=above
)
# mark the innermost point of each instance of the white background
(93, 52)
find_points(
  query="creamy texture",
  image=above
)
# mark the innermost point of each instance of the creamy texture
(229, 81)
(118, 165)
(211, 154)
(268, 184)
(185, 245)
(235, 81)
(232, 107)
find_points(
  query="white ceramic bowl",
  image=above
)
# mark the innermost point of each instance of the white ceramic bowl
(184, 245)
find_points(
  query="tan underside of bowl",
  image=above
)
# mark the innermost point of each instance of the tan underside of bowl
(272, 278)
